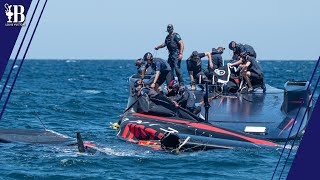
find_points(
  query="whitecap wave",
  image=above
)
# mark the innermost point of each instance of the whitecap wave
(91, 91)
(116, 152)
(288, 146)
(72, 79)
(71, 61)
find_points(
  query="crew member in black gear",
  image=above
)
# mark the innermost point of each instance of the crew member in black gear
(138, 85)
(250, 71)
(217, 61)
(216, 57)
(194, 66)
(175, 47)
(240, 49)
(162, 69)
(182, 97)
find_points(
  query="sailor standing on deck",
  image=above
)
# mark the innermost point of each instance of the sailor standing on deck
(162, 69)
(175, 47)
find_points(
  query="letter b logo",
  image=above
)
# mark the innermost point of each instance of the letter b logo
(18, 15)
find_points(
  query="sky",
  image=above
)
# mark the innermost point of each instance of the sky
(100, 29)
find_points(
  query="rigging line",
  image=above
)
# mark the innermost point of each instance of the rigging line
(155, 53)
(37, 115)
(24, 56)
(132, 104)
(307, 109)
(305, 94)
(15, 59)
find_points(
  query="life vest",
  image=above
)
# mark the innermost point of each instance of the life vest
(249, 49)
(170, 42)
(195, 66)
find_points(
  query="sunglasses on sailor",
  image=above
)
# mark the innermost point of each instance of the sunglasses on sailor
(195, 57)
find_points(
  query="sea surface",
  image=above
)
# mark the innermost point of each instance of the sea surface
(86, 96)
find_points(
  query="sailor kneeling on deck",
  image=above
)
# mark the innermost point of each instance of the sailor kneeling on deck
(250, 71)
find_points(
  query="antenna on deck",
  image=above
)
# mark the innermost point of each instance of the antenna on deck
(206, 102)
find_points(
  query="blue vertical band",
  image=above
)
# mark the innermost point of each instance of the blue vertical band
(307, 160)
(9, 34)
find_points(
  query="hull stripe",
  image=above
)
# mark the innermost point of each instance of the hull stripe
(210, 128)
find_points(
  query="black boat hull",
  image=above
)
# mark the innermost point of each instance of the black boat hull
(272, 115)
(150, 130)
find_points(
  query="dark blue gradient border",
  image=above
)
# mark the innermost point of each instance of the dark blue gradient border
(306, 164)
(9, 35)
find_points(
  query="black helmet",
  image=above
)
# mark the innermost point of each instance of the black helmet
(139, 62)
(147, 56)
(230, 45)
(195, 53)
(170, 28)
(221, 49)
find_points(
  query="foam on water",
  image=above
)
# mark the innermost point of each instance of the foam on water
(91, 91)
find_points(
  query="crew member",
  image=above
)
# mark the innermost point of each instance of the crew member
(175, 47)
(240, 49)
(216, 57)
(140, 63)
(162, 69)
(217, 61)
(194, 66)
(250, 71)
(182, 97)
(138, 85)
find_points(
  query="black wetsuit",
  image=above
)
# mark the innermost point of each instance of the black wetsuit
(250, 51)
(257, 77)
(161, 65)
(217, 63)
(216, 59)
(196, 67)
(172, 43)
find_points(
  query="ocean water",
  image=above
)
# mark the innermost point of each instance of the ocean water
(86, 96)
